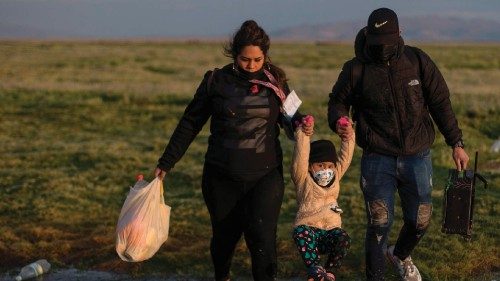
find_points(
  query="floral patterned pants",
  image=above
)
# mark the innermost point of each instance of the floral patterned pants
(312, 241)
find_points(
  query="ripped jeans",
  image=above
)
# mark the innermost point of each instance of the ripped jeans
(381, 176)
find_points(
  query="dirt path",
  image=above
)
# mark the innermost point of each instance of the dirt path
(79, 275)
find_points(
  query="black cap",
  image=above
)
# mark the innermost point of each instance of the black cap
(382, 28)
(322, 151)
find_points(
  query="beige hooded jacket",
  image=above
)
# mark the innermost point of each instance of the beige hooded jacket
(315, 202)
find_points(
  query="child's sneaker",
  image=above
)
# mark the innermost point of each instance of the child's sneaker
(407, 270)
(318, 273)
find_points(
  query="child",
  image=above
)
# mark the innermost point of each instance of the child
(316, 172)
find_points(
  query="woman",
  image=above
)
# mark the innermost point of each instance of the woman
(242, 180)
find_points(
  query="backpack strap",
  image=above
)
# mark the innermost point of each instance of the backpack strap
(415, 60)
(357, 73)
(358, 69)
(211, 80)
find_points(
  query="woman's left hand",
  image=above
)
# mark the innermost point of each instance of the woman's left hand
(159, 173)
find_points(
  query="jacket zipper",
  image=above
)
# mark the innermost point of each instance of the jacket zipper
(398, 118)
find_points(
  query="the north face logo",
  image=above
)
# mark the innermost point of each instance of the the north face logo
(413, 82)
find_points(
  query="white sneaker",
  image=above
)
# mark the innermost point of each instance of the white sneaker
(407, 270)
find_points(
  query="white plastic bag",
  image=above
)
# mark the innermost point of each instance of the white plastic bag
(143, 223)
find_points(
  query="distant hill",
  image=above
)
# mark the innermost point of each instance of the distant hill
(8, 30)
(422, 28)
(16, 31)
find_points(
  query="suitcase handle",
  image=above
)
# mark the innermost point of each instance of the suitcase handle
(481, 178)
(476, 175)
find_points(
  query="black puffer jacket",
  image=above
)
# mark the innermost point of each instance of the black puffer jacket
(393, 102)
(244, 127)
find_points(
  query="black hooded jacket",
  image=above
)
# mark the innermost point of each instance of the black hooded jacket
(395, 102)
(244, 126)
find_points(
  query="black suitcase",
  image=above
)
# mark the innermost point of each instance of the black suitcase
(458, 206)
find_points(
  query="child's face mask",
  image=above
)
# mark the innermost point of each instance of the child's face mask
(323, 177)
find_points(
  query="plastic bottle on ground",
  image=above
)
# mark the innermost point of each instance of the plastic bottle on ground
(33, 270)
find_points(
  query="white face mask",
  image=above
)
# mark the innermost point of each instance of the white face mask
(323, 177)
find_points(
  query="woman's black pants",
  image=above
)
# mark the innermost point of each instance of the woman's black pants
(249, 207)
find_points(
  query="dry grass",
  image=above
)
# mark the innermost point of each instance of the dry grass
(80, 119)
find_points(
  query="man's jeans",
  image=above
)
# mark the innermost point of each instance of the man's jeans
(381, 176)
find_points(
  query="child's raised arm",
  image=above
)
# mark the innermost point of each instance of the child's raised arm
(300, 159)
(347, 147)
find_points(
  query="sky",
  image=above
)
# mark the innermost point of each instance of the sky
(204, 18)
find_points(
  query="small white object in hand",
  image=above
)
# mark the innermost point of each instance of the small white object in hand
(291, 104)
(336, 209)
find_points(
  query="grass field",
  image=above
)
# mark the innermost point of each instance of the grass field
(79, 120)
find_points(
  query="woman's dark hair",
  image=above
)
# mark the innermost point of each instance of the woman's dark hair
(251, 34)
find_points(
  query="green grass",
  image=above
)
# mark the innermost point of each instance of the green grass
(80, 119)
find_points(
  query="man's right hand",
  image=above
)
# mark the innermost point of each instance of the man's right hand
(461, 158)
(159, 173)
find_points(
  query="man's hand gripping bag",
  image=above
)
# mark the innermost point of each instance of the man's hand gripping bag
(458, 206)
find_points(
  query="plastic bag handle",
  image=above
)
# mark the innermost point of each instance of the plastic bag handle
(162, 199)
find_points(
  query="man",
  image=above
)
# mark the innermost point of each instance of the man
(394, 91)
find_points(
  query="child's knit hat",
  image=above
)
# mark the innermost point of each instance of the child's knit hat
(322, 151)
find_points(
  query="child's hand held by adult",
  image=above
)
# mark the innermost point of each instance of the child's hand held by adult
(308, 125)
(344, 128)
(344, 121)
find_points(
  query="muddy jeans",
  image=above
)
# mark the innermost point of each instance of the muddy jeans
(381, 176)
